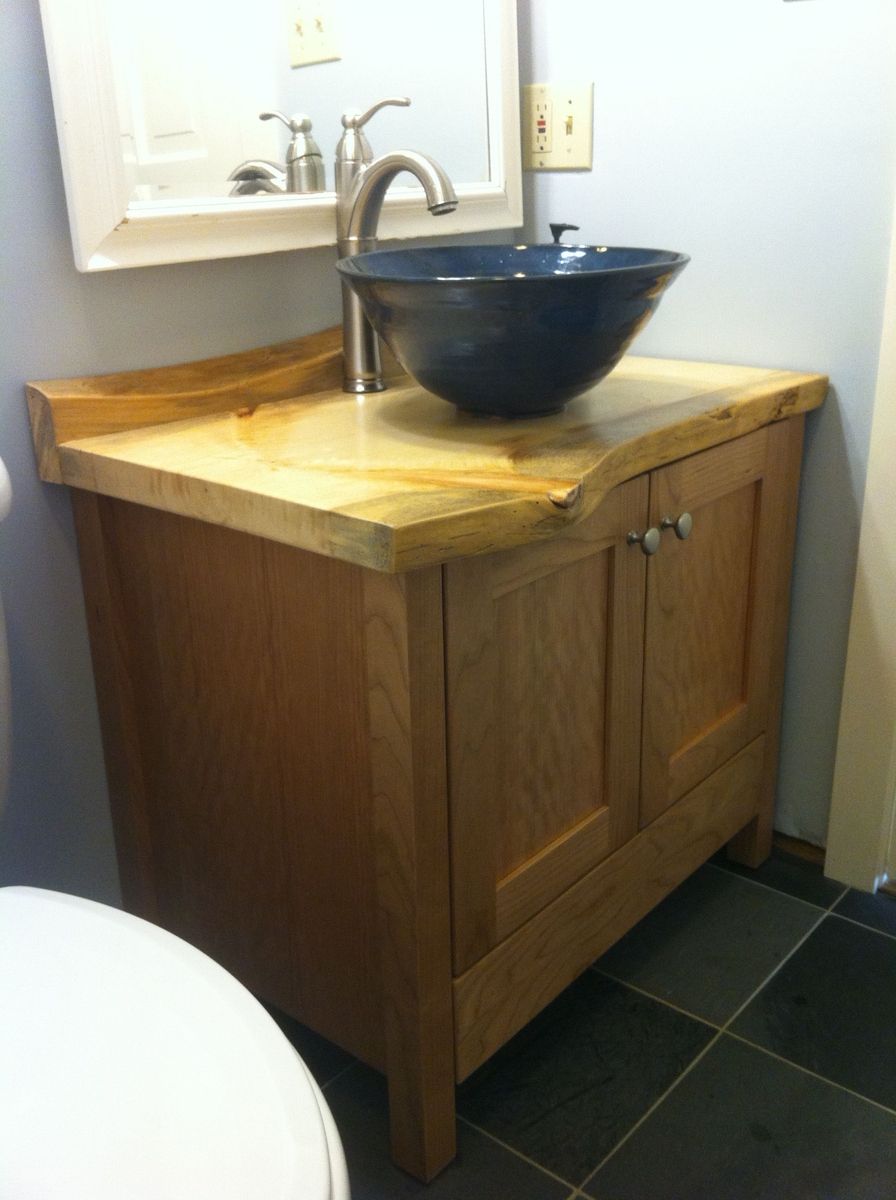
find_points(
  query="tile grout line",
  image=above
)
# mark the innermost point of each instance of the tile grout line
(768, 978)
(778, 891)
(657, 999)
(807, 1071)
(717, 1035)
(830, 908)
(862, 925)
(822, 913)
(719, 1032)
(725, 1029)
(517, 1153)
(485, 1133)
(671, 1088)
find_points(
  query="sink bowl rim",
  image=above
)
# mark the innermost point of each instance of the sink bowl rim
(654, 258)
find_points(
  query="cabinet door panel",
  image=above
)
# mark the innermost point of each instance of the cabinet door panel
(543, 650)
(708, 611)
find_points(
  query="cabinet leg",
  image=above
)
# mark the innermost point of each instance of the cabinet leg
(405, 662)
(753, 844)
(422, 1127)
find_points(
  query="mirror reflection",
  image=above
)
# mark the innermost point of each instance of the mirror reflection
(193, 77)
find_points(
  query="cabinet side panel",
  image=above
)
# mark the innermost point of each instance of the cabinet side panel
(114, 678)
(249, 701)
(781, 498)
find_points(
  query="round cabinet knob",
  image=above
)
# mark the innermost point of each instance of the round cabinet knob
(682, 525)
(649, 540)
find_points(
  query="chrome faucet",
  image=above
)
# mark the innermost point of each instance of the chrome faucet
(302, 172)
(361, 185)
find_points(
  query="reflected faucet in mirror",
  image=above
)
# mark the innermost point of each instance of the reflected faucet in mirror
(302, 172)
(361, 185)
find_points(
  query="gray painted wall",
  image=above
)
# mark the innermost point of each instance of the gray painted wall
(764, 149)
(760, 138)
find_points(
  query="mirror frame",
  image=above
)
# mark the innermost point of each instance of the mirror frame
(108, 231)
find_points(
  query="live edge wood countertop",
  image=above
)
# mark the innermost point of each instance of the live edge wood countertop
(266, 442)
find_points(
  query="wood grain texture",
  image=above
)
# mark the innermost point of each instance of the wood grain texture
(553, 650)
(550, 868)
(235, 732)
(709, 604)
(406, 705)
(118, 703)
(263, 443)
(785, 449)
(543, 653)
(504, 990)
(65, 409)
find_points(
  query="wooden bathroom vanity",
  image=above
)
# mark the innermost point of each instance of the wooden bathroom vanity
(400, 725)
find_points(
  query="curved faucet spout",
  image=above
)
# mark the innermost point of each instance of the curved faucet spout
(364, 203)
(357, 218)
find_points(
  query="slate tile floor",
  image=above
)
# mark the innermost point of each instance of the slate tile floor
(739, 1044)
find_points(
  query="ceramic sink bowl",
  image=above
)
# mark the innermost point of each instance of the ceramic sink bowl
(510, 331)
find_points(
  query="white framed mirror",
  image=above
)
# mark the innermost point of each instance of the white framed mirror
(124, 213)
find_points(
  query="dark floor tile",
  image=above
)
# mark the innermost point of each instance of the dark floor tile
(831, 1009)
(788, 873)
(322, 1058)
(744, 1126)
(710, 944)
(570, 1084)
(878, 911)
(482, 1168)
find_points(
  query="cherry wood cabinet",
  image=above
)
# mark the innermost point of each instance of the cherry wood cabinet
(710, 609)
(400, 724)
(589, 686)
(543, 698)
(409, 809)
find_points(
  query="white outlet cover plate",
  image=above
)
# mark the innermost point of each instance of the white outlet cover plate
(571, 107)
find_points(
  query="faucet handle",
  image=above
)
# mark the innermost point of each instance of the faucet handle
(300, 123)
(354, 119)
(354, 150)
(558, 231)
(304, 165)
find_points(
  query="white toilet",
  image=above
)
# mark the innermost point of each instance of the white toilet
(134, 1067)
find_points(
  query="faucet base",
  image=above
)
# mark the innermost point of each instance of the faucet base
(360, 387)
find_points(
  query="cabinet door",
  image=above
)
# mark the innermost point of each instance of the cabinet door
(710, 607)
(543, 677)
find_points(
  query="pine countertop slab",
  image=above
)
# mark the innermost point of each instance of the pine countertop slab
(391, 481)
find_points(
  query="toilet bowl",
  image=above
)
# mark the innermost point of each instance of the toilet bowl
(132, 1065)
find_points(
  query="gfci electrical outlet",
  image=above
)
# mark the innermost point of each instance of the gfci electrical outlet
(557, 127)
(312, 33)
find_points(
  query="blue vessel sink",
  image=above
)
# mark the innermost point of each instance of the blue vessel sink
(510, 331)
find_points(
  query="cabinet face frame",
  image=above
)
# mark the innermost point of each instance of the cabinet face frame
(491, 896)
